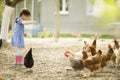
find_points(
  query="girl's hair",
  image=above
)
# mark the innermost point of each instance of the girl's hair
(25, 11)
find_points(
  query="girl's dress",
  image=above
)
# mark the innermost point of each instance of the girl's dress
(18, 34)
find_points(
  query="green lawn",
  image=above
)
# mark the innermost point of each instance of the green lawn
(49, 35)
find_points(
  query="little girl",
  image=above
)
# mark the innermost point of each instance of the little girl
(18, 34)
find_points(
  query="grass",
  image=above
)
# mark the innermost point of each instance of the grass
(49, 35)
(105, 36)
(66, 35)
(86, 35)
(44, 35)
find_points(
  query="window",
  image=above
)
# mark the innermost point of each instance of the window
(118, 2)
(95, 7)
(64, 4)
(90, 7)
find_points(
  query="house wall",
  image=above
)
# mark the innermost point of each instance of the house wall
(77, 21)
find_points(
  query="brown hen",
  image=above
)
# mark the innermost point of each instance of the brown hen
(107, 57)
(93, 63)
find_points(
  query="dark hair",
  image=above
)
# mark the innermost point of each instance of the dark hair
(25, 11)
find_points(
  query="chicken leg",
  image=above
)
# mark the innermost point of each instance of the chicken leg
(78, 73)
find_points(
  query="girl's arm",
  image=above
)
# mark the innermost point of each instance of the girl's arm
(28, 22)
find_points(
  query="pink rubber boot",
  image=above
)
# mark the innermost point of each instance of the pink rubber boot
(19, 59)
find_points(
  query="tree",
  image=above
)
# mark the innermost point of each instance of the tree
(2, 3)
(57, 19)
(8, 10)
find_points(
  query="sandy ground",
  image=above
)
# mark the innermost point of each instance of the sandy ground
(50, 63)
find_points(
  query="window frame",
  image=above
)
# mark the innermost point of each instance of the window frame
(64, 11)
(89, 9)
(94, 9)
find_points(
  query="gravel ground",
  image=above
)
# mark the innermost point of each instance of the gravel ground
(50, 63)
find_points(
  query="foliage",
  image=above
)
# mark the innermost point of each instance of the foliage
(68, 35)
(12, 3)
(92, 1)
(110, 13)
(44, 35)
(2, 3)
(105, 36)
(9, 3)
(86, 35)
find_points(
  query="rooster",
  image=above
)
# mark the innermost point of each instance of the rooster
(0, 43)
(28, 59)
(117, 52)
(106, 58)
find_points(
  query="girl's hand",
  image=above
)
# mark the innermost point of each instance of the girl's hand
(29, 22)
(34, 22)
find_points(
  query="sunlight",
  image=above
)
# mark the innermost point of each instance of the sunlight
(110, 12)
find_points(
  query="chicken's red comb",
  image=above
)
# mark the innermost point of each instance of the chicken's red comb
(91, 47)
(109, 46)
(66, 53)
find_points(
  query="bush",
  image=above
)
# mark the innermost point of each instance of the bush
(44, 35)
(66, 35)
(105, 36)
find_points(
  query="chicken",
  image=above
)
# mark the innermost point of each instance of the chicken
(1, 43)
(1, 78)
(77, 55)
(28, 59)
(92, 50)
(85, 56)
(76, 63)
(117, 56)
(86, 45)
(93, 63)
(117, 53)
(94, 43)
(116, 44)
(106, 58)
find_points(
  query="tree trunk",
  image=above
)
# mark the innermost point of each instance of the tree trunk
(57, 19)
(5, 21)
(8, 10)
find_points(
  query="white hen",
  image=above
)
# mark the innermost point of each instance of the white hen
(117, 53)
